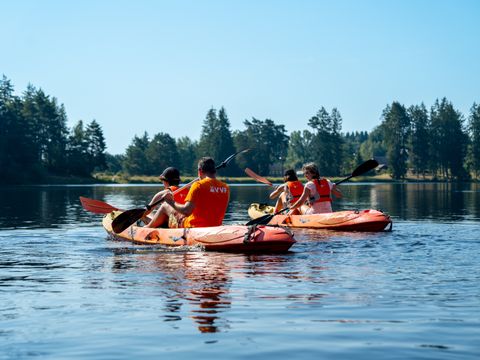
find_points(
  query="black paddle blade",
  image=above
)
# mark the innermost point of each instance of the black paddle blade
(265, 219)
(262, 220)
(225, 162)
(365, 167)
(127, 218)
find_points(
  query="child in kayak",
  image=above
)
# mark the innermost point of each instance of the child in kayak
(317, 193)
(289, 192)
(171, 179)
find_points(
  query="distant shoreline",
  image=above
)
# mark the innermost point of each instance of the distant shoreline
(115, 179)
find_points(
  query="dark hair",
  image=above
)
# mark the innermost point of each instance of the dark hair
(290, 175)
(207, 165)
(171, 175)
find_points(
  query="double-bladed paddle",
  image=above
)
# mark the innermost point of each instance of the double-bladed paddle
(361, 169)
(129, 217)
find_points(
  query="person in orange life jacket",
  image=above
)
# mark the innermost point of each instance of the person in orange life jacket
(205, 203)
(289, 192)
(317, 192)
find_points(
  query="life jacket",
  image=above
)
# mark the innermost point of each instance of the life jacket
(294, 191)
(323, 191)
(180, 196)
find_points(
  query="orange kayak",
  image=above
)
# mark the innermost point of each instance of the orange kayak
(228, 238)
(350, 220)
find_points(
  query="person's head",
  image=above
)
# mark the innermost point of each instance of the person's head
(171, 175)
(206, 166)
(290, 175)
(310, 171)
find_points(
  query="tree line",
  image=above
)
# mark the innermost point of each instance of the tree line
(35, 141)
(438, 142)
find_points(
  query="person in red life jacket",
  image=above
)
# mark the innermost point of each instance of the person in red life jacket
(170, 178)
(205, 204)
(317, 193)
(289, 192)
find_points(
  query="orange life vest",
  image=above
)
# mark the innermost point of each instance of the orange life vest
(210, 197)
(295, 190)
(323, 190)
(180, 196)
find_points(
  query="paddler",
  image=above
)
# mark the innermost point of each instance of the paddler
(289, 192)
(205, 204)
(317, 193)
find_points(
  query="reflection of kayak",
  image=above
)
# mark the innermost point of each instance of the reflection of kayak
(351, 220)
(230, 238)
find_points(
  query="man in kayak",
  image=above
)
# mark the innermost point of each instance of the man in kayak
(205, 203)
(317, 193)
(289, 192)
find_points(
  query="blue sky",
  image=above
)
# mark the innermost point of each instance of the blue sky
(159, 66)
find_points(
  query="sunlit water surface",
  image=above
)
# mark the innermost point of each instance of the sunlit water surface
(68, 292)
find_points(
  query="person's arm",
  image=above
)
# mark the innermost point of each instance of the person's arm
(158, 196)
(275, 193)
(185, 209)
(336, 191)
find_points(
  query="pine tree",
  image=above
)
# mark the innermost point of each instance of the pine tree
(135, 162)
(449, 140)
(161, 153)
(396, 127)
(96, 146)
(419, 139)
(474, 131)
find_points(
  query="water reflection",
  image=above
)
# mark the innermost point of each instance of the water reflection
(198, 285)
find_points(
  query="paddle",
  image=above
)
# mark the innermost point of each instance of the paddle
(361, 169)
(129, 217)
(97, 206)
(257, 177)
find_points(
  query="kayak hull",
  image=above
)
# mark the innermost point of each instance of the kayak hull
(225, 238)
(350, 220)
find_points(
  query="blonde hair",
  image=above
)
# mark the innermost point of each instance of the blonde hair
(312, 169)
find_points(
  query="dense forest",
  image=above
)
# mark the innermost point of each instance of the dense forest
(439, 142)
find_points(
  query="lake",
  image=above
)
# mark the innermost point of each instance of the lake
(69, 292)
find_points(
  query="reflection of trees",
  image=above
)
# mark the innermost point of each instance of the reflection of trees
(200, 282)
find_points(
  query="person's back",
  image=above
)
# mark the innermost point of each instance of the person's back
(210, 197)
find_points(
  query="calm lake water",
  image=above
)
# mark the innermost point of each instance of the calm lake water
(67, 292)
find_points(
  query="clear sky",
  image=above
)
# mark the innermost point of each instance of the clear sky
(159, 66)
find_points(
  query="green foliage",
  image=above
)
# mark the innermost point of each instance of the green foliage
(474, 132)
(396, 129)
(298, 151)
(419, 139)
(268, 143)
(216, 140)
(449, 140)
(135, 162)
(327, 143)
(187, 150)
(160, 154)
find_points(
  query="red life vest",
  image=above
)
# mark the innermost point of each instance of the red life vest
(323, 190)
(180, 196)
(295, 190)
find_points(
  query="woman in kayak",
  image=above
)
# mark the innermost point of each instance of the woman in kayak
(317, 193)
(205, 204)
(289, 192)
